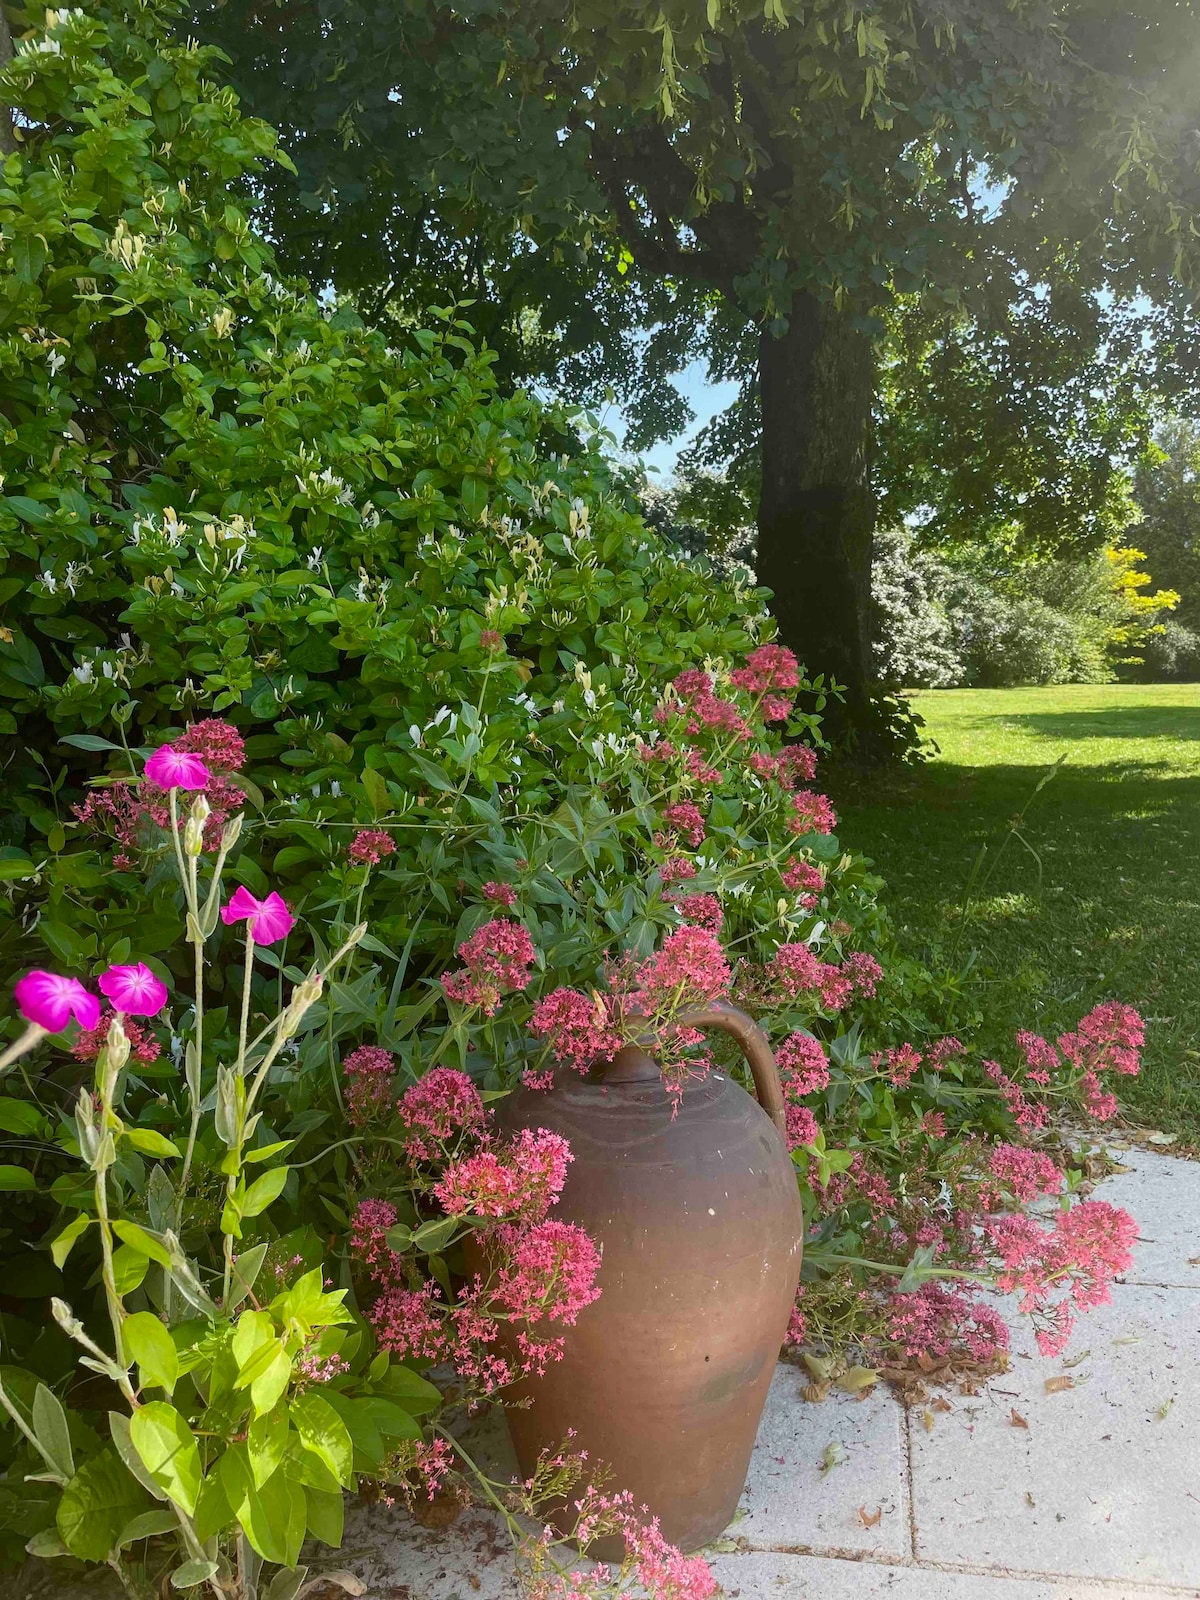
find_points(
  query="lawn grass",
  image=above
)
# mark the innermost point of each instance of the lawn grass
(1101, 900)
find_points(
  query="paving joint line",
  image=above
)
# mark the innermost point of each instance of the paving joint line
(911, 1481)
(967, 1568)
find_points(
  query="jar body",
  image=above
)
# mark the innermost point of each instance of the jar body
(698, 1217)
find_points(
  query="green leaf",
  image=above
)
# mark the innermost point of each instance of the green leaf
(14, 1179)
(146, 1526)
(118, 1427)
(287, 1583)
(47, 1545)
(141, 1241)
(376, 789)
(168, 1450)
(434, 1236)
(273, 1517)
(98, 1502)
(129, 1268)
(415, 1393)
(50, 1426)
(326, 1516)
(246, 1268)
(263, 1191)
(199, 1570)
(266, 1151)
(149, 1344)
(213, 1511)
(151, 1142)
(266, 1443)
(323, 1432)
(63, 1245)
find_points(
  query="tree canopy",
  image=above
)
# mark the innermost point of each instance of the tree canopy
(617, 186)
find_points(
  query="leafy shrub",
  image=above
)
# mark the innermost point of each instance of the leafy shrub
(1173, 653)
(913, 638)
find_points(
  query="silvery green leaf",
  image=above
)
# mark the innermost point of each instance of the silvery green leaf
(191, 1068)
(160, 1199)
(50, 1425)
(245, 1270)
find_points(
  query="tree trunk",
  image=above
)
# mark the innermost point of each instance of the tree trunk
(816, 513)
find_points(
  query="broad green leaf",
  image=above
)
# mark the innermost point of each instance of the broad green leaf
(263, 1191)
(118, 1427)
(63, 1245)
(146, 1526)
(50, 1426)
(47, 1545)
(434, 1236)
(266, 1443)
(415, 1393)
(145, 1243)
(254, 1330)
(273, 1517)
(266, 1151)
(168, 1450)
(191, 1573)
(148, 1342)
(14, 1179)
(326, 1516)
(323, 1432)
(213, 1512)
(99, 1501)
(287, 1583)
(129, 1268)
(151, 1142)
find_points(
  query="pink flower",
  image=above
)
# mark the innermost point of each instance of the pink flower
(777, 708)
(51, 1001)
(134, 990)
(703, 911)
(502, 893)
(268, 919)
(169, 768)
(677, 868)
(519, 1182)
(803, 1064)
(804, 876)
(489, 639)
(578, 1027)
(549, 1271)
(684, 819)
(215, 742)
(1026, 1173)
(1109, 1039)
(439, 1108)
(802, 1126)
(863, 971)
(811, 813)
(771, 666)
(143, 1043)
(368, 1072)
(935, 1321)
(899, 1063)
(497, 957)
(369, 846)
(690, 969)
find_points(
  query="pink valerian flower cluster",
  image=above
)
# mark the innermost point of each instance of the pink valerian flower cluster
(801, 1126)
(1031, 1116)
(935, 1321)
(369, 846)
(943, 1050)
(368, 1240)
(1024, 1173)
(143, 1042)
(1082, 1252)
(579, 1028)
(691, 969)
(684, 821)
(1108, 1039)
(769, 667)
(547, 1270)
(313, 1367)
(514, 1182)
(803, 1065)
(702, 911)
(796, 971)
(368, 1073)
(655, 1566)
(502, 893)
(419, 1467)
(898, 1064)
(496, 960)
(702, 707)
(803, 876)
(200, 760)
(811, 813)
(437, 1111)
(676, 868)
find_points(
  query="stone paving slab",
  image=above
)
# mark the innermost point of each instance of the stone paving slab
(1104, 1481)
(786, 1577)
(1163, 1193)
(793, 1498)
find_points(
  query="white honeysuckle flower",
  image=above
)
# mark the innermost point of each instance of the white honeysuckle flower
(314, 558)
(559, 705)
(316, 791)
(56, 361)
(84, 672)
(49, 583)
(414, 733)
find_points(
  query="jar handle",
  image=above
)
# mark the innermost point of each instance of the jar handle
(753, 1041)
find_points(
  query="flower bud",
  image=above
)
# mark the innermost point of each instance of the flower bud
(193, 837)
(117, 1046)
(231, 832)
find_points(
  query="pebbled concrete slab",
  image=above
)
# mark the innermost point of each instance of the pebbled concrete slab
(785, 1577)
(1101, 1480)
(815, 1468)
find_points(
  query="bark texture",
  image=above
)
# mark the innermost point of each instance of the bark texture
(816, 512)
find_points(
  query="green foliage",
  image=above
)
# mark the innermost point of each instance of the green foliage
(1166, 492)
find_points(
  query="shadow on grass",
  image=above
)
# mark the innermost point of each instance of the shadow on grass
(1110, 722)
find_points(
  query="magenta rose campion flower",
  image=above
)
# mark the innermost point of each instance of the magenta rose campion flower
(134, 990)
(268, 919)
(51, 1001)
(169, 768)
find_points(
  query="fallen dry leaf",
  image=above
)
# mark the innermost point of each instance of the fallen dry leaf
(940, 1404)
(1057, 1385)
(869, 1519)
(1073, 1361)
(1017, 1420)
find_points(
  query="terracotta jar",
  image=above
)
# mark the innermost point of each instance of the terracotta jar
(698, 1216)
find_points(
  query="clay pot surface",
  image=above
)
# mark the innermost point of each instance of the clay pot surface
(697, 1213)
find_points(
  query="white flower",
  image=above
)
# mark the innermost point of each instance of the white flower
(335, 788)
(314, 558)
(50, 583)
(84, 672)
(56, 361)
